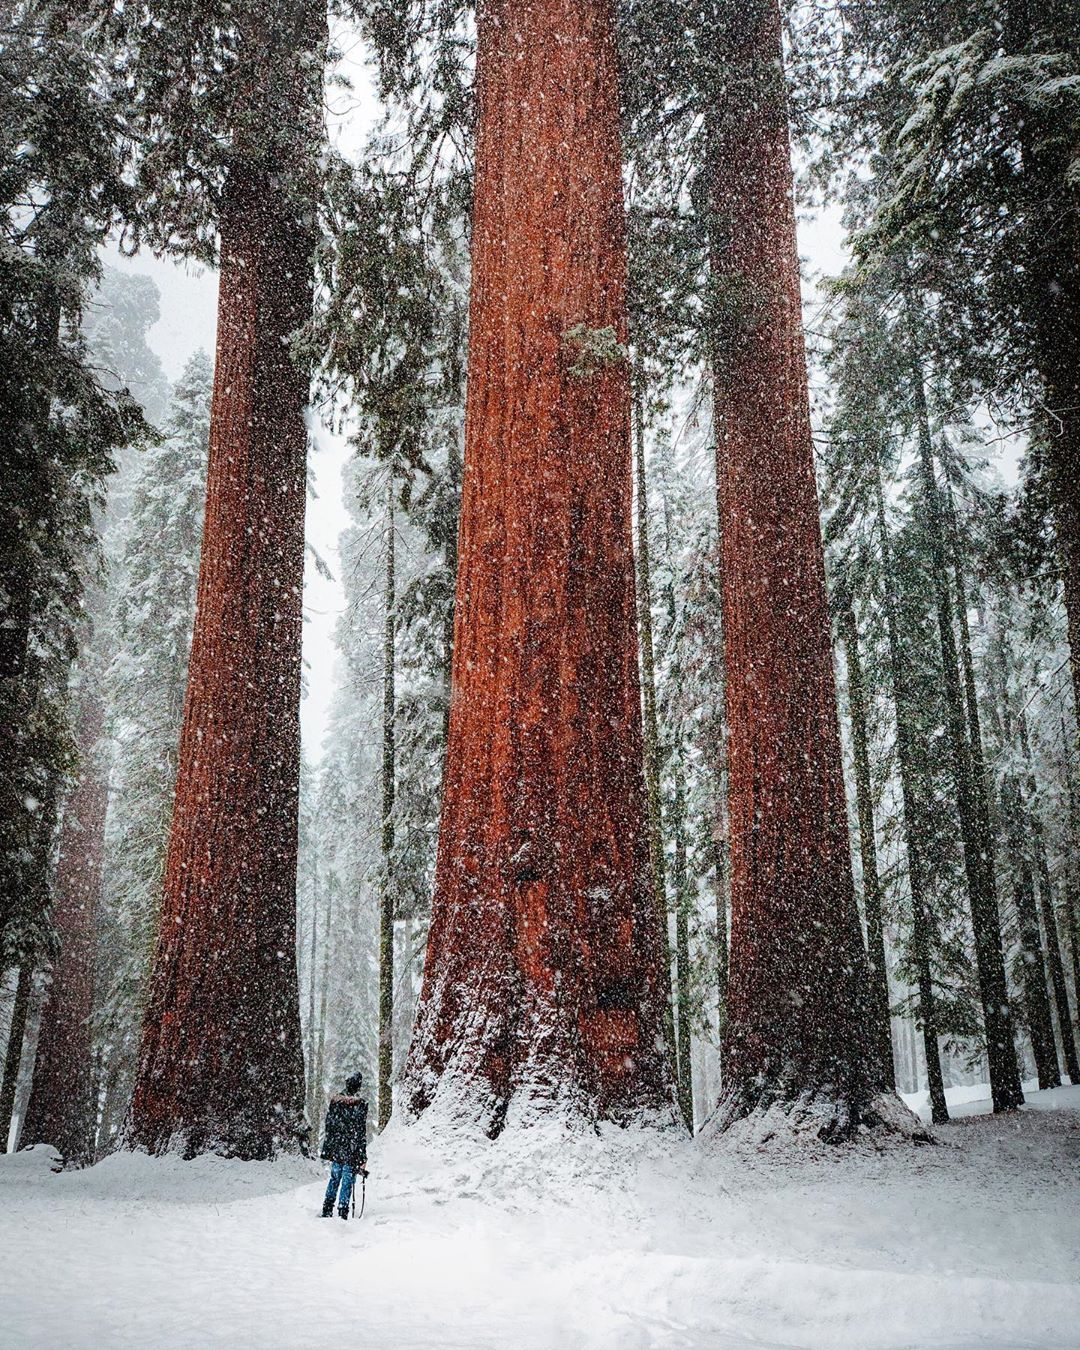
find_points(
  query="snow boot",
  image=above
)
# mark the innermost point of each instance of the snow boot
(328, 1209)
(343, 1213)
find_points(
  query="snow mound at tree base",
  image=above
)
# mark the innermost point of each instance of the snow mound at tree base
(818, 1124)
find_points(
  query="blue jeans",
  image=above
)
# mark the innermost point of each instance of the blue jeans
(340, 1174)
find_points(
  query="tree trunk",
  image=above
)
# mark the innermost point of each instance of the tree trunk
(309, 1066)
(1054, 959)
(61, 1110)
(720, 869)
(797, 1022)
(1070, 860)
(221, 1064)
(544, 981)
(1057, 972)
(1036, 994)
(918, 871)
(651, 728)
(319, 1090)
(970, 794)
(875, 934)
(685, 1077)
(1016, 809)
(387, 897)
(13, 1054)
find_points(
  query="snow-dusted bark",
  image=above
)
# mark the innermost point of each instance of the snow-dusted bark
(220, 1065)
(61, 1108)
(798, 1020)
(543, 981)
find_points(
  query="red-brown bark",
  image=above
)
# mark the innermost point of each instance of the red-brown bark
(61, 1109)
(798, 1019)
(220, 1065)
(543, 973)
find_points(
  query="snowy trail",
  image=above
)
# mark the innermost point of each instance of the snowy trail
(544, 1242)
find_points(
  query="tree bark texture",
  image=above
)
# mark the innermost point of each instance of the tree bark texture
(61, 1110)
(871, 880)
(1071, 864)
(221, 1064)
(797, 1018)
(971, 801)
(544, 981)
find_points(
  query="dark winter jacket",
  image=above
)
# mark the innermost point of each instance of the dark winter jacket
(345, 1131)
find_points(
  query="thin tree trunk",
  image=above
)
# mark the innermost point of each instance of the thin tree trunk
(875, 933)
(61, 1108)
(1055, 962)
(324, 1004)
(1017, 803)
(719, 856)
(680, 878)
(797, 1020)
(918, 872)
(13, 1055)
(544, 981)
(387, 897)
(311, 1027)
(971, 799)
(651, 729)
(1036, 994)
(221, 1061)
(1072, 906)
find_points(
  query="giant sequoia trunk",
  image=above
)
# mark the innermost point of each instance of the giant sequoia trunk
(61, 1109)
(220, 1065)
(543, 983)
(798, 1021)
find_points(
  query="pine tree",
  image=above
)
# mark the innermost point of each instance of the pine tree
(388, 897)
(871, 880)
(61, 427)
(551, 992)
(978, 108)
(969, 777)
(651, 731)
(157, 564)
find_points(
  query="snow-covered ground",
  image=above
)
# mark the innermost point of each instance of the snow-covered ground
(545, 1241)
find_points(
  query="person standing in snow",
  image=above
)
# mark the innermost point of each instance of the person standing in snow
(345, 1145)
